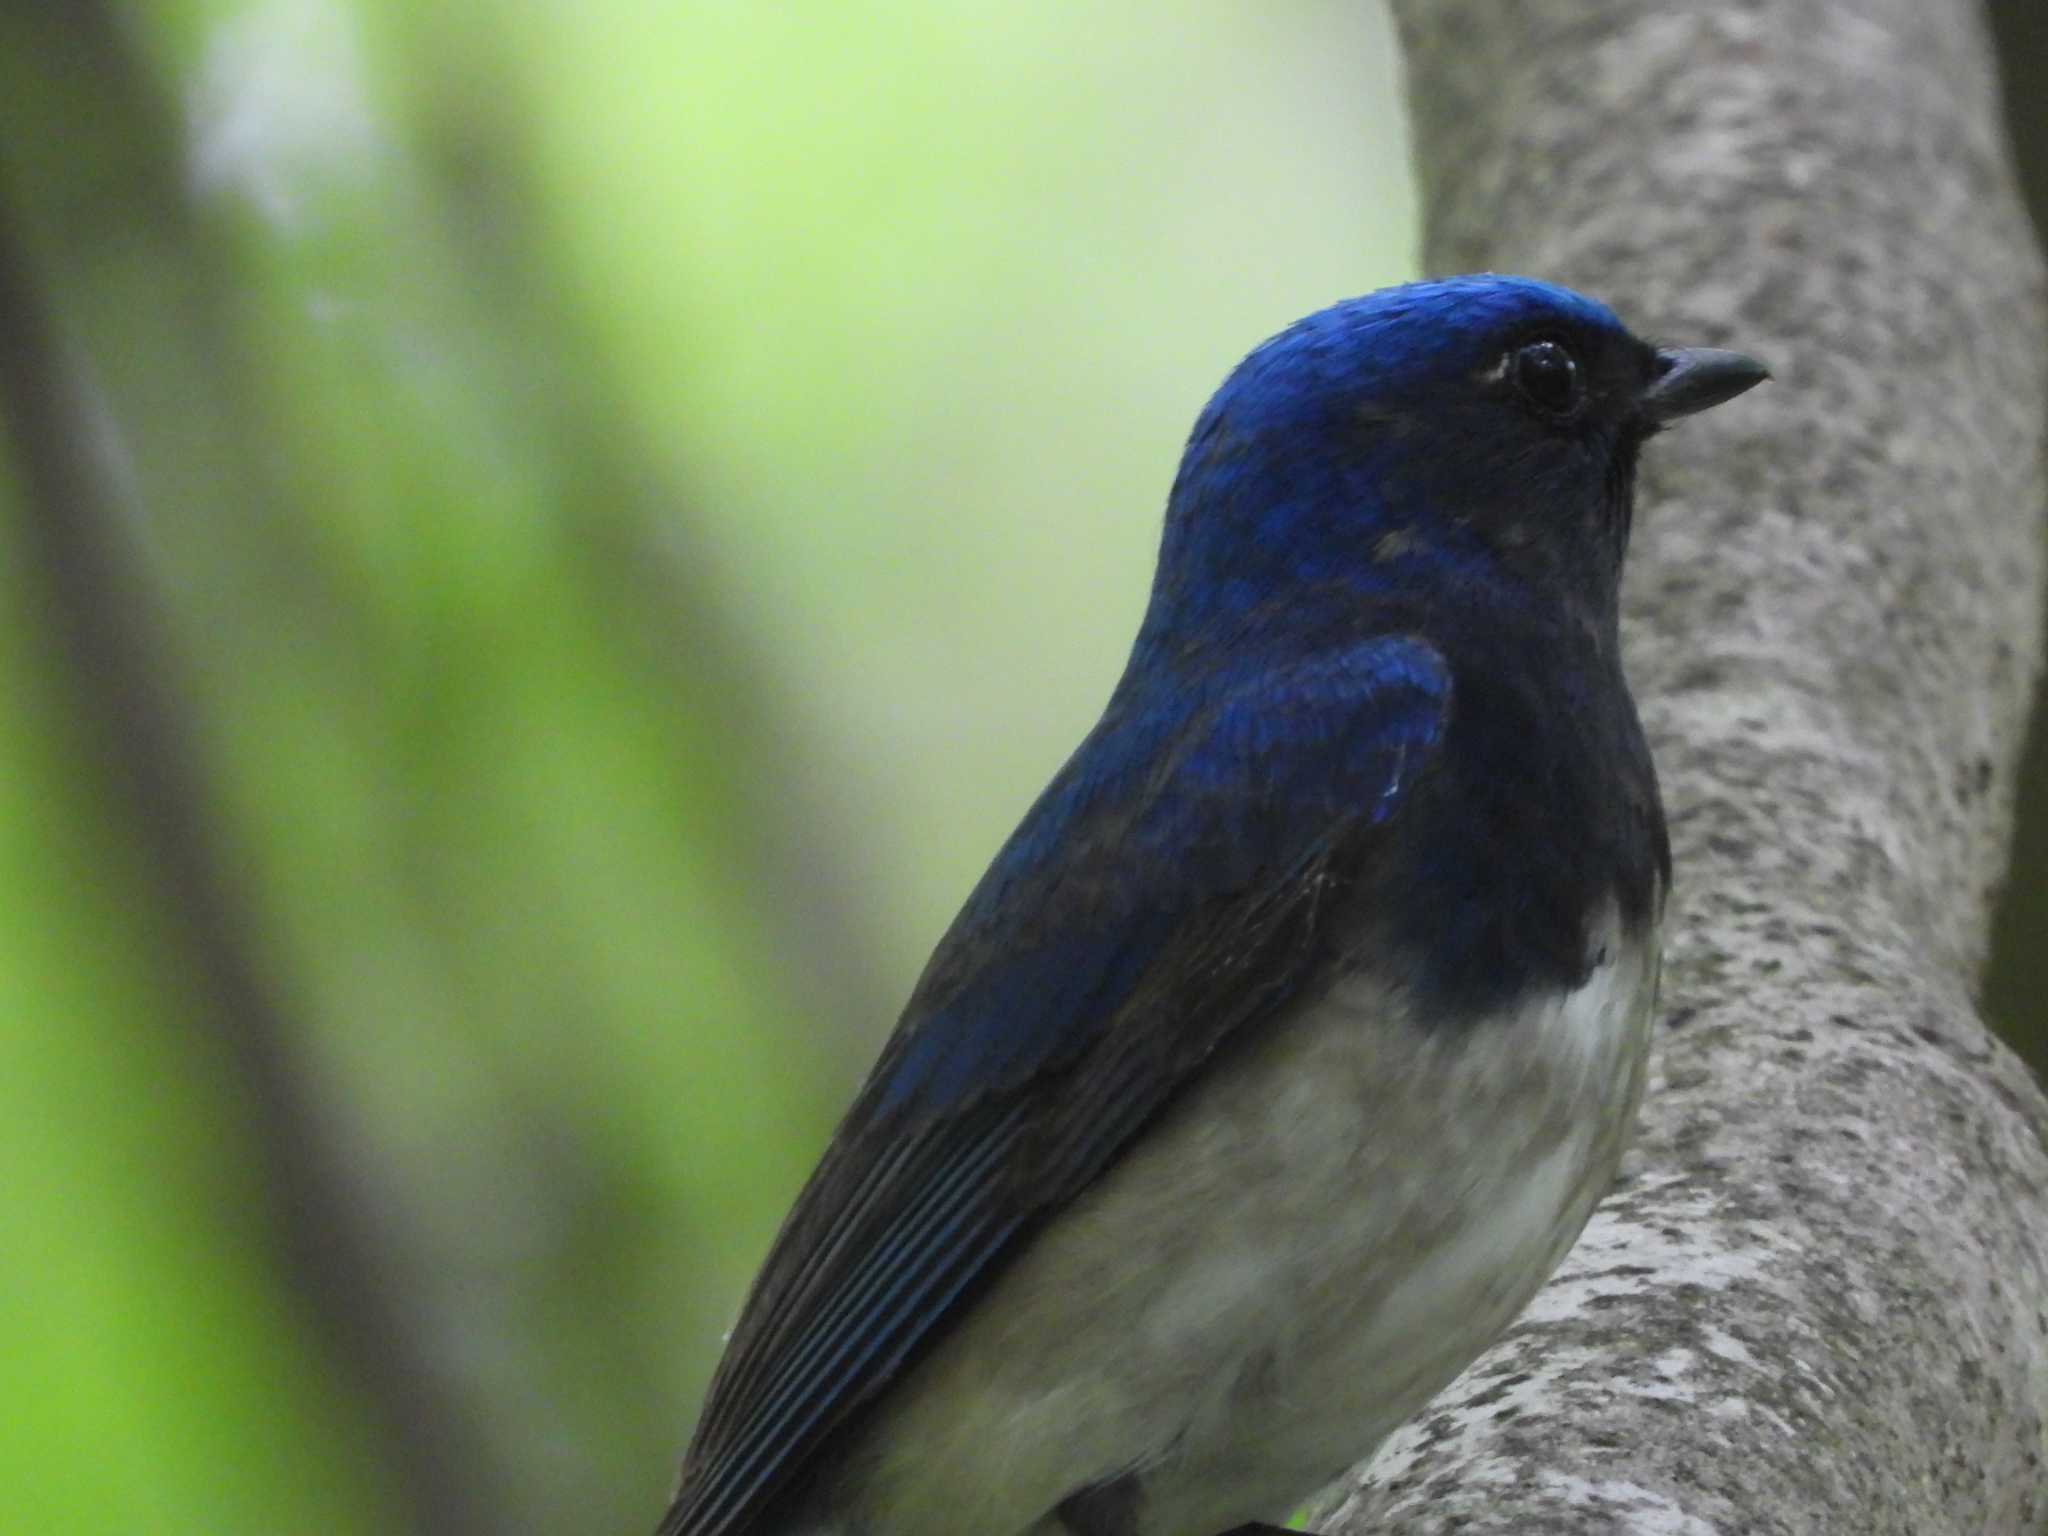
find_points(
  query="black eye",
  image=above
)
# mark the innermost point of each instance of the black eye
(1548, 377)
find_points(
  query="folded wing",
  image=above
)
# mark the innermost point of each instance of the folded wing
(1165, 894)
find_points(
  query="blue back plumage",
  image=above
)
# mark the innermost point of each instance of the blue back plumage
(1183, 795)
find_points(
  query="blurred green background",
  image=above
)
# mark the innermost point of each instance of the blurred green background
(544, 545)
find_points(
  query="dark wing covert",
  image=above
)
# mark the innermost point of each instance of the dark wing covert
(1168, 882)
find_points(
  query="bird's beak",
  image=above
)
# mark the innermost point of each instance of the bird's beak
(1689, 379)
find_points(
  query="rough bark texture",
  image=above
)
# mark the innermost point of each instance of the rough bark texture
(1819, 1301)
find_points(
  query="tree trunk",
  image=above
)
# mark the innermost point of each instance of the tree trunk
(1819, 1300)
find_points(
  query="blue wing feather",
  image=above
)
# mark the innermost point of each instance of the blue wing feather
(1160, 896)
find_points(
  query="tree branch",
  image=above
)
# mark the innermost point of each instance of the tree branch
(1817, 1301)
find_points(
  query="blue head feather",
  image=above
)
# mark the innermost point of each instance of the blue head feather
(1378, 445)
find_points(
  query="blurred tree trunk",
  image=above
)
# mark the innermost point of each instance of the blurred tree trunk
(1817, 1302)
(96, 112)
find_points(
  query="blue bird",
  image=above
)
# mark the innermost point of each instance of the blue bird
(1287, 1045)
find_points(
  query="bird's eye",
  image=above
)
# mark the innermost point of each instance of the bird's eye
(1548, 377)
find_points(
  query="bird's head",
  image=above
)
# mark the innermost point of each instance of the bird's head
(1471, 434)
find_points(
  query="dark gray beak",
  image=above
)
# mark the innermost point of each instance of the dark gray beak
(1690, 379)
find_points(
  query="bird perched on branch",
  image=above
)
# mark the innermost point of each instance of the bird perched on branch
(1288, 1043)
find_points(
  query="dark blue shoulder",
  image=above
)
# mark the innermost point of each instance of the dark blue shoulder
(1174, 801)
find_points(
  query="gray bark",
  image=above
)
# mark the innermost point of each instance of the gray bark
(1819, 1301)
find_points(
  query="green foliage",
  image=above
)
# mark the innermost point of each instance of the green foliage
(632, 500)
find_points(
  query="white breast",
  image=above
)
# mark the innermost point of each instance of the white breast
(1316, 1240)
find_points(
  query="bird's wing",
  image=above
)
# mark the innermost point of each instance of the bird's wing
(1166, 892)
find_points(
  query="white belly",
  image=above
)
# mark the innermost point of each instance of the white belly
(1316, 1240)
